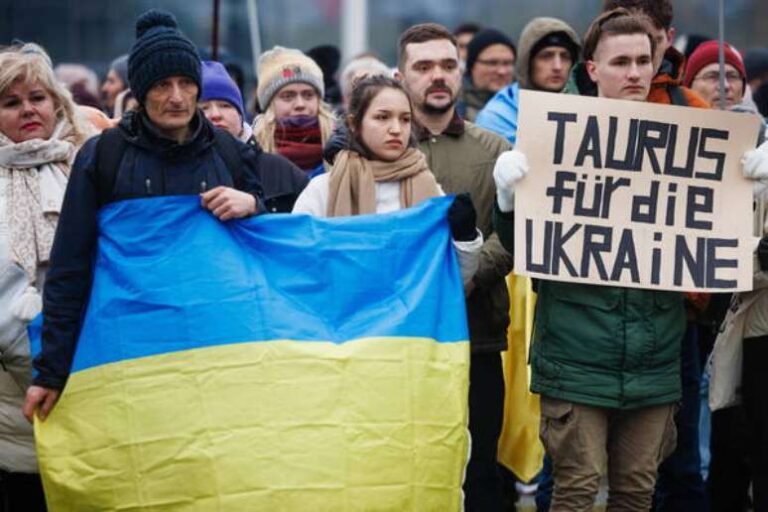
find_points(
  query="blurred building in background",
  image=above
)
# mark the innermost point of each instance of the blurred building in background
(93, 32)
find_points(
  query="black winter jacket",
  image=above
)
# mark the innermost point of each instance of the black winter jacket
(151, 165)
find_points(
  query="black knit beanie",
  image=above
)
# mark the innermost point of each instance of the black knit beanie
(756, 63)
(560, 39)
(160, 51)
(483, 40)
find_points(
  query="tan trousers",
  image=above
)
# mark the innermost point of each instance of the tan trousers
(579, 438)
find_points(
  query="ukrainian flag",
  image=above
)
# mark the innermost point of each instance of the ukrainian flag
(277, 363)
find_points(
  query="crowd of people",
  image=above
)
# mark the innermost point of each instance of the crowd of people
(621, 372)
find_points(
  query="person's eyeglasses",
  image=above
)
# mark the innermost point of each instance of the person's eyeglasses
(497, 63)
(714, 76)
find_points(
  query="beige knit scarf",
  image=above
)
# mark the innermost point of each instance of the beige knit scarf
(352, 183)
(36, 173)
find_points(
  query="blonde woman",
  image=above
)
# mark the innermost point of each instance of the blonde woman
(41, 130)
(295, 122)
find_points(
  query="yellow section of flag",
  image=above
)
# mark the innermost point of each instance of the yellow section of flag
(520, 449)
(370, 424)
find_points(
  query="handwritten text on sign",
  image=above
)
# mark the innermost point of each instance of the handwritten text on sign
(634, 194)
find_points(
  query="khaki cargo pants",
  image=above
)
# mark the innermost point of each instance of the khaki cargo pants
(583, 440)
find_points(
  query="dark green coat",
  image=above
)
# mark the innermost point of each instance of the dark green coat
(607, 346)
(601, 345)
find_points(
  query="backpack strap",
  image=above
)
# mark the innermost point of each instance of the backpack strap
(229, 150)
(110, 149)
(677, 96)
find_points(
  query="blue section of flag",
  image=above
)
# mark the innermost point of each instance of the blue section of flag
(35, 335)
(170, 277)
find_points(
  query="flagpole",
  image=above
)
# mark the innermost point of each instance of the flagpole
(253, 25)
(215, 32)
(354, 27)
(721, 52)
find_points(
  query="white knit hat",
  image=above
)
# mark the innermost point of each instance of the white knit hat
(279, 67)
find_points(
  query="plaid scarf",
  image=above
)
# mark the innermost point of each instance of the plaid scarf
(298, 138)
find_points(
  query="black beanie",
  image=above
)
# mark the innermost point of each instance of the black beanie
(560, 39)
(483, 40)
(160, 51)
(756, 62)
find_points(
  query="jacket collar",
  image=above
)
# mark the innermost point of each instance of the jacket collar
(140, 131)
(671, 69)
(455, 128)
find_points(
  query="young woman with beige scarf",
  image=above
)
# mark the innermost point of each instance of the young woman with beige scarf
(381, 171)
(41, 130)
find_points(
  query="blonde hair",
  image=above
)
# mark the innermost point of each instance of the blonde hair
(30, 63)
(264, 126)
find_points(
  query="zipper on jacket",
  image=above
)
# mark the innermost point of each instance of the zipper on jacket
(203, 187)
(148, 185)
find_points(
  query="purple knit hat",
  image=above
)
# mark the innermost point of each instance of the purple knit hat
(218, 85)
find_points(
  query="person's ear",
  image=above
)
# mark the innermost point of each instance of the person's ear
(591, 70)
(671, 35)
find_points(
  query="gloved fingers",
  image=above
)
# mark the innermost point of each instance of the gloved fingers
(754, 164)
(510, 167)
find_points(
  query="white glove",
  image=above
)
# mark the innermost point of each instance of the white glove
(511, 167)
(754, 165)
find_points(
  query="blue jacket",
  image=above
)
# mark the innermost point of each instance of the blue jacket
(500, 114)
(151, 165)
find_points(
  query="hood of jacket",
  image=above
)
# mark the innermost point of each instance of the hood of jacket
(579, 82)
(671, 69)
(532, 33)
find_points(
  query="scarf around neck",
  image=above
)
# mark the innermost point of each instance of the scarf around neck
(298, 138)
(36, 173)
(352, 182)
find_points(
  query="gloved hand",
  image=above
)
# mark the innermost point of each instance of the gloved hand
(754, 165)
(510, 168)
(463, 219)
(762, 253)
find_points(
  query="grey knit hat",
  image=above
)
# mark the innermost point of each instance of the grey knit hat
(280, 66)
(160, 51)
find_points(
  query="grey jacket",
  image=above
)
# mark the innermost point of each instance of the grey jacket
(17, 446)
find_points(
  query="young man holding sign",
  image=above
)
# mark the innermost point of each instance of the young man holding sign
(606, 358)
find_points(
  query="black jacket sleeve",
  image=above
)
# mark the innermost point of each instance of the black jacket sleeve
(68, 282)
(338, 141)
(504, 224)
(282, 182)
(246, 177)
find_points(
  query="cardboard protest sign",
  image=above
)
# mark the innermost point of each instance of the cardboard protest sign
(634, 194)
